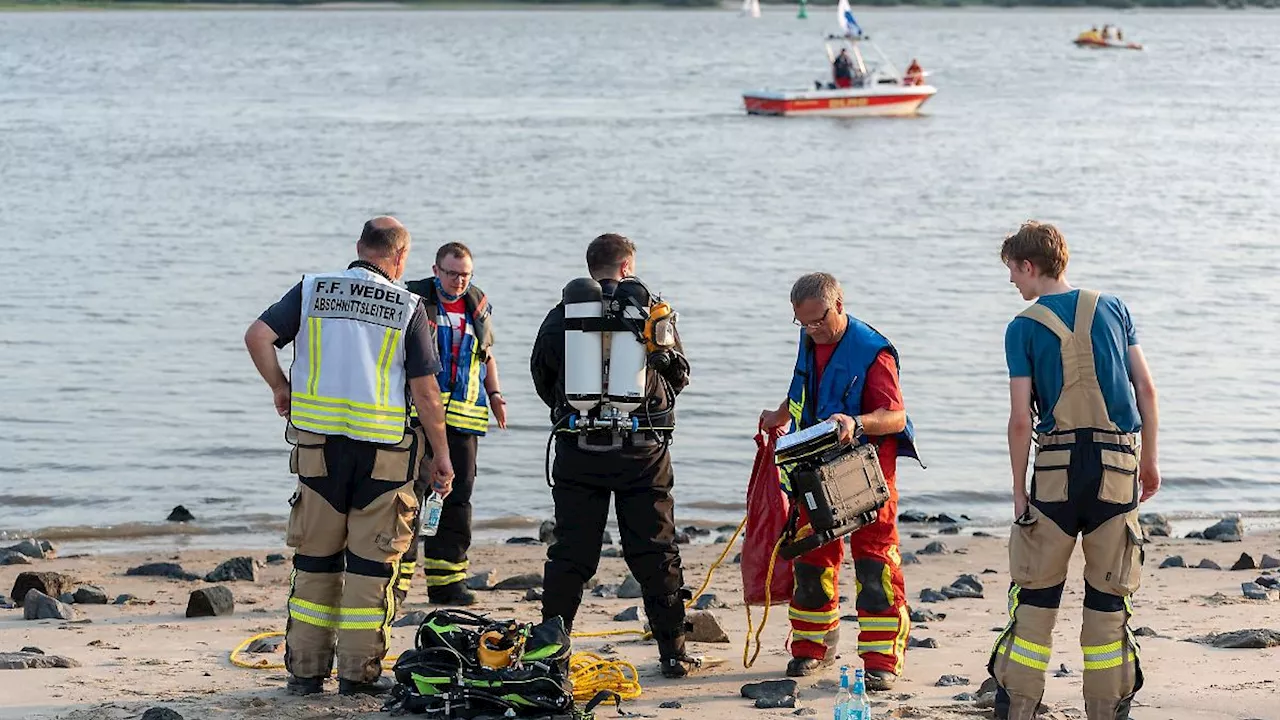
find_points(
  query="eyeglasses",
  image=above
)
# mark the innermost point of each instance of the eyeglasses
(454, 275)
(813, 325)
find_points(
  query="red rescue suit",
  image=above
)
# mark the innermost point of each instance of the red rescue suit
(883, 619)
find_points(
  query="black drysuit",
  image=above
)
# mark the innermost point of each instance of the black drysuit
(638, 476)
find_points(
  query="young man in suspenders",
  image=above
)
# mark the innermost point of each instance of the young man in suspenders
(1079, 383)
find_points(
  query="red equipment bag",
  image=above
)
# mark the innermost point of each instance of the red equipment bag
(768, 510)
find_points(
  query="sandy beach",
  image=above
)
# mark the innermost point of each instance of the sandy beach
(147, 653)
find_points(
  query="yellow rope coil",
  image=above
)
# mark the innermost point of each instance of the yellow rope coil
(591, 673)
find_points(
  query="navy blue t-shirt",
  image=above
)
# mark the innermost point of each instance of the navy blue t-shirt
(1032, 350)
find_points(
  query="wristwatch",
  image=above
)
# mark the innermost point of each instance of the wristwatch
(857, 427)
(495, 392)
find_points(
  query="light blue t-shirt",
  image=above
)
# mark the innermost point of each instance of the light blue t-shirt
(1032, 350)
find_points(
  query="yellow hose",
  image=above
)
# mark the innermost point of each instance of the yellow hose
(262, 663)
(768, 600)
(706, 581)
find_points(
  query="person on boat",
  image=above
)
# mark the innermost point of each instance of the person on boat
(915, 74)
(1119, 34)
(842, 69)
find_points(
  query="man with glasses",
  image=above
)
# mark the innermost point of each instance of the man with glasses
(470, 390)
(847, 372)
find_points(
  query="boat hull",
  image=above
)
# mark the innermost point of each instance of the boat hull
(846, 102)
(1105, 45)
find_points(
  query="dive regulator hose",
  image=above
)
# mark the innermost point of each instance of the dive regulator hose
(551, 438)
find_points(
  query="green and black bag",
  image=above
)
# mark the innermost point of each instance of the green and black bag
(443, 675)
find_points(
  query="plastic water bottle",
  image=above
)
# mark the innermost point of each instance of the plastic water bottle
(859, 705)
(844, 700)
(433, 507)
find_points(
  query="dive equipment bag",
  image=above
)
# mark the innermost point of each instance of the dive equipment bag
(465, 665)
(842, 487)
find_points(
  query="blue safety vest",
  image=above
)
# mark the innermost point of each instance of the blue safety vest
(466, 404)
(843, 378)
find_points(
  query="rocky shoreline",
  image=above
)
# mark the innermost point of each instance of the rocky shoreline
(114, 636)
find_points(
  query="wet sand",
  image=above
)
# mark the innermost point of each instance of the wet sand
(146, 654)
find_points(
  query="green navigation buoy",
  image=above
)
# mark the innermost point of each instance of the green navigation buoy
(804, 12)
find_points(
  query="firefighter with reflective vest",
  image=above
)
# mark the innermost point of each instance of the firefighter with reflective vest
(608, 364)
(1079, 384)
(362, 348)
(847, 372)
(469, 390)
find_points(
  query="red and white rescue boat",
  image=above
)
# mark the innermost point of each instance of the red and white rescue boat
(861, 87)
(877, 100)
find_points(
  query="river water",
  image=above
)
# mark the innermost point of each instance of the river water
(164, 176)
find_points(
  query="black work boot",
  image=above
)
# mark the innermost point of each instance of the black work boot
(675, 662)
(804, 666)
(304, 686)
(880, 680)
(381, 686)
(454, 594)
(1015, 707)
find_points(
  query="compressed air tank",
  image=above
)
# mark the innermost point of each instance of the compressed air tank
(627, 355)
(583, 348)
